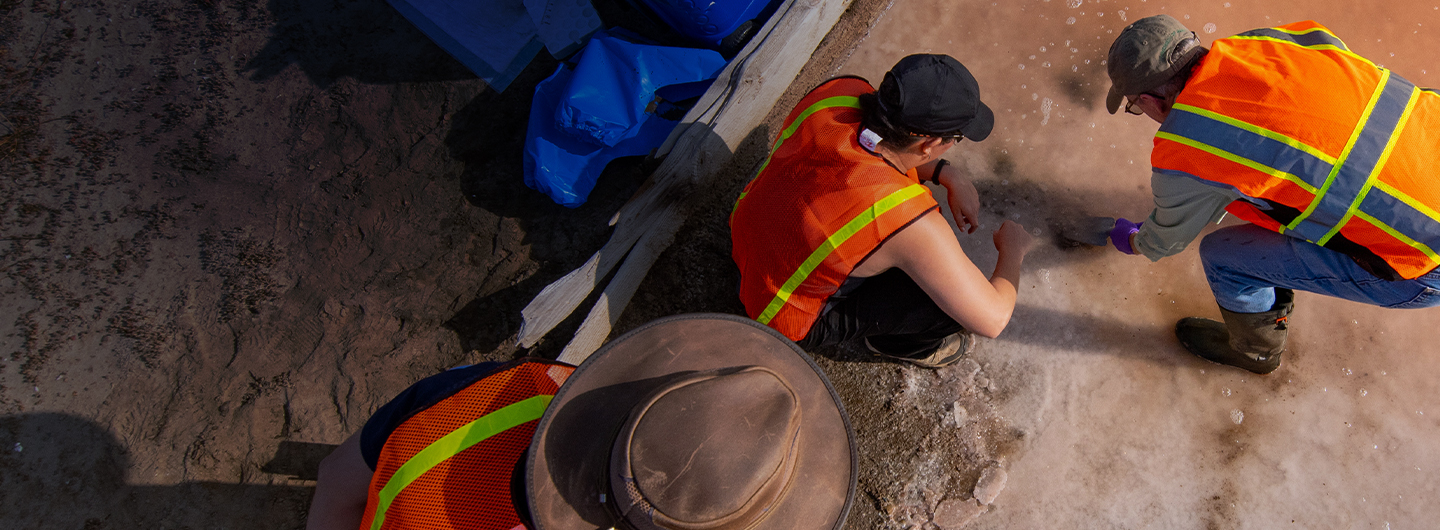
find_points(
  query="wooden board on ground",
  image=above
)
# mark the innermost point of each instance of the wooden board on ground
(740, 99)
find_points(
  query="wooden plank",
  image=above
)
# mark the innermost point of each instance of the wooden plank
(557, 300)
(700, 146)
(617, 294)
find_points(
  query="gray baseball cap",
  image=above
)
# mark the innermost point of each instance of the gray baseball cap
(1146, 55)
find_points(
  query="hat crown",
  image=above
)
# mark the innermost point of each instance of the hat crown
(934, 95)
(1148, 53)
(713, 451)
(571, 475)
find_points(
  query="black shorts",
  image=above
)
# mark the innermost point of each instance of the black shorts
(890, 309)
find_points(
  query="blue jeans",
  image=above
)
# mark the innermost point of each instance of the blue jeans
(1246, 263)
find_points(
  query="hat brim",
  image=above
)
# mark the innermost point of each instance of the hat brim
(568, 465)
(1113, 99)
(981, 125)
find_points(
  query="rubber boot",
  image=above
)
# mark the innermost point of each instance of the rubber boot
(1252, 341)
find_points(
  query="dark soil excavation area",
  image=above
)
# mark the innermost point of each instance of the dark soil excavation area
(230, 230)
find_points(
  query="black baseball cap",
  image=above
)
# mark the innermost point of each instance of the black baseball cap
(934, 95)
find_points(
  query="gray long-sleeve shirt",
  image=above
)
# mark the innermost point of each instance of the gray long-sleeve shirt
(1183, 206)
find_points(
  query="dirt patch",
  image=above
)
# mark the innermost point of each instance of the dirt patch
(926, 436)
(229, 231)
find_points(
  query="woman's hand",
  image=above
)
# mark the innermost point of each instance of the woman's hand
(963, 198)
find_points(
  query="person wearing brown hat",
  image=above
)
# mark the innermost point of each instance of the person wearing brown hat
(441, 454)
(1329, 156)
(695, 422)
(692, 422)
(837, 238)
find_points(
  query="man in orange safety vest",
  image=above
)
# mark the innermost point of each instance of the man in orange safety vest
(1330, 157)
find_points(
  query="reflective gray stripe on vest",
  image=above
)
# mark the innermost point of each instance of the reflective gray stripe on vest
(1356, 167)
(1313, 37)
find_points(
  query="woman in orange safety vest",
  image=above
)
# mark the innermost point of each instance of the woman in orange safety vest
(837, 238)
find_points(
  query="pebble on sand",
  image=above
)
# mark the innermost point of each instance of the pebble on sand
(992, 480)
(954, 514)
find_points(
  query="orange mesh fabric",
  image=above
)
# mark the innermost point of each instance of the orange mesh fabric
(816, 181)
(471, 489)
(1313, 96)
(1322, 98)
(1409, 170)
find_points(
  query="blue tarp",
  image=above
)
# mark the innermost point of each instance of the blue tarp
(496, 39)
(596, 111)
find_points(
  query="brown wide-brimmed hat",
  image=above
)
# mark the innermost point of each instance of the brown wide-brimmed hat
(694, 422)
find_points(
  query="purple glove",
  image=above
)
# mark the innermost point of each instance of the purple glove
(1120, 235)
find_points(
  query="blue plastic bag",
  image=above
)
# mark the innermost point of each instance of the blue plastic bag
(710, 22)
(582, 118)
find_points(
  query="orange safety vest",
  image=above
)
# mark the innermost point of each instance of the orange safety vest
(818, 207)
(450, 465)
(1324, 145)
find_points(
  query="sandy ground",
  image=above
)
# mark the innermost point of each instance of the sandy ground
(229, 231)
(1123, 429)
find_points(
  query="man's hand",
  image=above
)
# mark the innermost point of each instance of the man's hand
(1012, 239)
(963, 198)
(1123, 234)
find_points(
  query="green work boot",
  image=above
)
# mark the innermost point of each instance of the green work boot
(1252, 341)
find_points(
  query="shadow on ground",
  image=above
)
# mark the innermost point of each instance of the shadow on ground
(362, 39)
(94, 490)
(1050, 209)
(488, 137)
(1053, 330)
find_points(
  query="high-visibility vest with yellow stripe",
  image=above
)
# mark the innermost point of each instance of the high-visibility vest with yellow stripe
(818, 207)
(1325, 145)
(451, 465)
